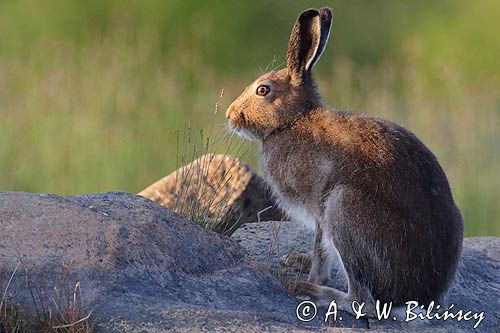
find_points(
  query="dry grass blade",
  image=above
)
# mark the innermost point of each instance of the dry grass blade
(84, 319)
(262, 211)
(3, 301)
(219, 101)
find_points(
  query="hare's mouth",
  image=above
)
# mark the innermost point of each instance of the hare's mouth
(245, 135)
(242, 133)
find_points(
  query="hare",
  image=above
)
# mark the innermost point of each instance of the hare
(373, 192)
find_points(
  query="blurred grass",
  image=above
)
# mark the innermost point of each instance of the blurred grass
(92, 92)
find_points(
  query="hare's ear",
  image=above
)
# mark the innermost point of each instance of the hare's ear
(307, 41)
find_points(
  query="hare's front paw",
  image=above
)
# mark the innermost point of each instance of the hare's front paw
(320, 295)
(299, 262)
(304, 290)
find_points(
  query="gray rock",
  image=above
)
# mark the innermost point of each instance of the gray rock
(218, 191)
(139, 265)
(476, 287)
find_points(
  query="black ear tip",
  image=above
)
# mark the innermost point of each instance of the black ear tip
(309, 13)
(326, 13)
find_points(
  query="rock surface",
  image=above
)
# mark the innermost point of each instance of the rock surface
(140, 267)
(476, 288)
(220, 187)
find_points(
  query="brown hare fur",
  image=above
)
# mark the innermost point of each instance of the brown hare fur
(374, 193)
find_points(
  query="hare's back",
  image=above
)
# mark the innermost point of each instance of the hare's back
(363, 149)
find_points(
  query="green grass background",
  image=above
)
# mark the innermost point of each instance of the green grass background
(93, 92)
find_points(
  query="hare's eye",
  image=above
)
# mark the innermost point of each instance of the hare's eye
(263, 90)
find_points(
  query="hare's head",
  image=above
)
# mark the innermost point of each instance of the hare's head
(277, 98)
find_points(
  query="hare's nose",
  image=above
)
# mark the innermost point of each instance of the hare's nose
(229, 111)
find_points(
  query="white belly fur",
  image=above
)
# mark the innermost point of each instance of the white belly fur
(298, 213)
